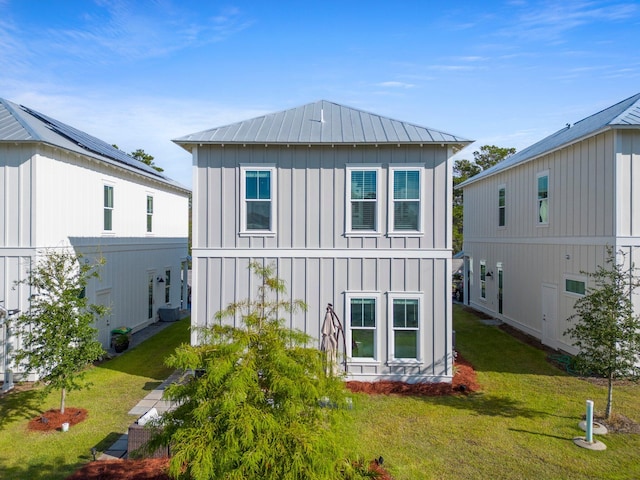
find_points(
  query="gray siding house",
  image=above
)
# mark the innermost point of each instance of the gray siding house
(61, 188)
(353, 209)
(539, 218)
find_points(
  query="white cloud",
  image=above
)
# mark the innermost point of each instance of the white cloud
(392, 84)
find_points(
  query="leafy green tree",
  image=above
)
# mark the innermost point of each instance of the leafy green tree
(260, 405)
(607, 331)
(143, 157)
(485, 158)
(58, 340)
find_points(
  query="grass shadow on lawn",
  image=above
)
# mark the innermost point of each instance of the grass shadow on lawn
(16, 405)
(483, 404)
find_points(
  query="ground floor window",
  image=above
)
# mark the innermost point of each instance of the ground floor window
(362, 322)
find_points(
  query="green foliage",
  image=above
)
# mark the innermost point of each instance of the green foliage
(146, 158)
(607, 332)
(58, 340)
(463, 170)
(253, 409)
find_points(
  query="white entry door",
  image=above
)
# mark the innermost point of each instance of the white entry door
(550, 315)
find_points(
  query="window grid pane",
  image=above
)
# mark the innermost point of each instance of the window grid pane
(501, 207)
(363, 323)
(406, 344)
(363, 199)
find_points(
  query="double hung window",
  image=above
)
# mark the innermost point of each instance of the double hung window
(108, 208)
(405, 204)
(362, 327)
(257, 207)
(149, 214)
(483, 280)
(405, 326)
(502, 205)
(363, 199)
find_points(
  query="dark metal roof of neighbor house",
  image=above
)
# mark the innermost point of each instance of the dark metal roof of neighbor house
(625, 114)
(318, 123)
(21, 124)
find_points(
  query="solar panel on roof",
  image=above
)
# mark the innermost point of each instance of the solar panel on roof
(91, 143)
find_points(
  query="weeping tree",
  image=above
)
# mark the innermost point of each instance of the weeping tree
(607, 330)
(259, 405)
(58, 340)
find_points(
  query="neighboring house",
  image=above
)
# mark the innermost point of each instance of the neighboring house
(61, 188)
(354, 209)
(536, 220)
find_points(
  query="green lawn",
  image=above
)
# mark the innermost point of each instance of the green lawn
(520, 426)
(117, 386)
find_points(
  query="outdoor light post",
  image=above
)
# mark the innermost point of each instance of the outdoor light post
(8, 374)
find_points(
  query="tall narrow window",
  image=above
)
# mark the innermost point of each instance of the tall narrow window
(405, 208)
(543, 198)
(483, 280)
(363, 327)
(149, 214)
(108, 208)
(257, 204)
(364, 197)
(150, 297)
(502, 206)
(405, 314)
(167, 286)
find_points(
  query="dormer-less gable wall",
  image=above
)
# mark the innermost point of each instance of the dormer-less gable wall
(311, 196)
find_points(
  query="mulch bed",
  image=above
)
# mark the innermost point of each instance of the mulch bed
(52, 419)
(464, 382)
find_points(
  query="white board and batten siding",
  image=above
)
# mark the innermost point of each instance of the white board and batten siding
(312, 254)
(593, 202)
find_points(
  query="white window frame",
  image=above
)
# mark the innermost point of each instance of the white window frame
(576, 278)
(483, 279)
(538, 199)
(349, 231)
(391, 296)
(348, 296)
(149, 215)
(111, 208)
(502, 208)
(243, 201)
(391, 202)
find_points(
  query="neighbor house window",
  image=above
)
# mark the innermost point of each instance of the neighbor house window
(405, 205)
(108, 208)
(405, 326)
(363, 321)
(502, 197)
(543, 198)
(150, 297)
(257, 202)
(483, 279)
(362, 202)
(575, 285)
(149, 214)
(167, 286)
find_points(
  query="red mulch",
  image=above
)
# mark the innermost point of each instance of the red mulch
(147, 469)
(53, 419)
(464, 381)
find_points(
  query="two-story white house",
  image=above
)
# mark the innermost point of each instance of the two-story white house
(536, 220)
(353, 208)
(61, 188)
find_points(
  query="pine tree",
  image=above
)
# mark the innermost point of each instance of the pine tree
(607, 332)
(260, 405)
(58, 340)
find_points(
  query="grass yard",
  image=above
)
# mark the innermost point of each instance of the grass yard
(117, 386)
(520, 426)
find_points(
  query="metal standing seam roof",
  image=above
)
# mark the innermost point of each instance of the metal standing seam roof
(625, 114)
(321, 122)
(22, 124)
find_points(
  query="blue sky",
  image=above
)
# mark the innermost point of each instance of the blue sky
(140, 73)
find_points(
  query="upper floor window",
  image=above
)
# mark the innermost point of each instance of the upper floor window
(502, 205)
(405, 326)
(257, 205)
(362, 317)
(405, 205)
(543, 198)
(149, 214)
(108, 208)
(363, 201)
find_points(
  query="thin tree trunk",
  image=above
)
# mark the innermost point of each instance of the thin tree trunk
(63, 396)
(607, 412)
